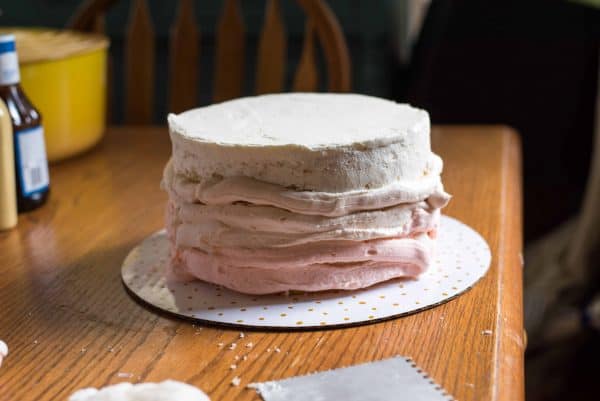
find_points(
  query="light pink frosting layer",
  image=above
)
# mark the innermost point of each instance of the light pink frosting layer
(206, 227)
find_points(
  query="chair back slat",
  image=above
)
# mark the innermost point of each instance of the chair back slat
(306, 78)
(272, 47)
(139, 65)
(331, 39)
(183, 55)
(99, 24)
(228, 71)
(229, 58)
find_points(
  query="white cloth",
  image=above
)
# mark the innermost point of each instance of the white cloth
(168, 390)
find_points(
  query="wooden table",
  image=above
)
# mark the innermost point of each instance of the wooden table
(69, 323)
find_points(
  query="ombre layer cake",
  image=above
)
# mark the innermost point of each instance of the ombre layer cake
(301, 191)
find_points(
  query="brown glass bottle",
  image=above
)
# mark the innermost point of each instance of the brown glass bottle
(31, 165)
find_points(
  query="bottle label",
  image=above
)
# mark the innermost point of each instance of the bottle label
(9, 64)
(32, 164)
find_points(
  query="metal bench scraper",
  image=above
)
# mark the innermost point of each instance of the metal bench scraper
(397, 379)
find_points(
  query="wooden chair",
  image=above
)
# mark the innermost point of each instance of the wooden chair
(228, 80)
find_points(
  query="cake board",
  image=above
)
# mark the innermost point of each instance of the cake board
(462, 259)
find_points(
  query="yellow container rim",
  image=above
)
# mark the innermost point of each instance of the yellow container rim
(45, 44)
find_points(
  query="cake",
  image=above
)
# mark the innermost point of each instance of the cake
(302, 191)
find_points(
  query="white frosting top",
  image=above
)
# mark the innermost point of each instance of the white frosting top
(312, 120)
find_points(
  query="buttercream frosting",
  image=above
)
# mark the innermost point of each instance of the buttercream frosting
(302, 192)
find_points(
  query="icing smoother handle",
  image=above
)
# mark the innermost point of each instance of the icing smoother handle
(8, 196)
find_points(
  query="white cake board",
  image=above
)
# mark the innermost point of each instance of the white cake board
(462, 258)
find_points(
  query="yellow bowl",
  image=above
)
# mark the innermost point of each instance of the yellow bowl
(64, 75)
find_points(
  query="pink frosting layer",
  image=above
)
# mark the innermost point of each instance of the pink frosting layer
(248, 226)
(333, 266)
(260, 238)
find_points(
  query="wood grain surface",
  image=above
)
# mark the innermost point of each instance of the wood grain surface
(70, 324)
(139, 56)
(306, 77)
(271, 53)
(184, 44)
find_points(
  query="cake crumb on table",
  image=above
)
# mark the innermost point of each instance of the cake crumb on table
(232, 346)
(232, 367)
(244, 357)
(220, 344)
(124, 375)
(242, 335)
(236, 381)
(277, 349)
(486, 332)
(249, 345)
